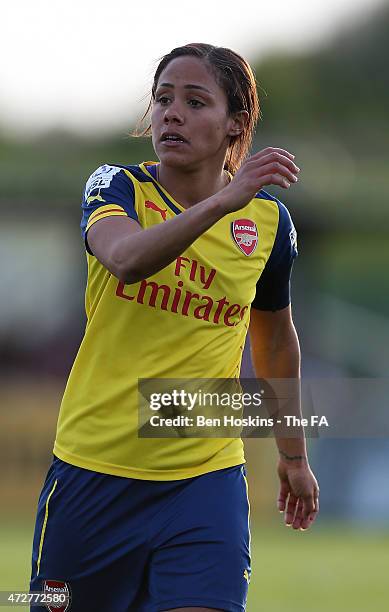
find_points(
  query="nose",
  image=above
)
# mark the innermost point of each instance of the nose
(174, 113)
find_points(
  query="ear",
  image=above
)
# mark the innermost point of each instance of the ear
(238, 123)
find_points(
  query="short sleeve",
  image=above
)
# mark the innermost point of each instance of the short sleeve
(273, 286)
(108, 192)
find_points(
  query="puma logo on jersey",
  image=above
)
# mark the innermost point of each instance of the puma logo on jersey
(153, 206)
(95, 197)
(246, 576)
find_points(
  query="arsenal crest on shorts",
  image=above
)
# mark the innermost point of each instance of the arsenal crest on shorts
(245, 234)
(58, 595)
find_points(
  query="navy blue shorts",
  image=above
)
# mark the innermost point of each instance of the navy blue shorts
(124, 545)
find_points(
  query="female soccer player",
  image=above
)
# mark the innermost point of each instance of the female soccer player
(183, 255)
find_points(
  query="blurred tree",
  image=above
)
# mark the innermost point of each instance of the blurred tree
(334, 101)
(348, 81)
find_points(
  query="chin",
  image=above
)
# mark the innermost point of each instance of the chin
(174, 159)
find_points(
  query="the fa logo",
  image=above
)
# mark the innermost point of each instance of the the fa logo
(245, 235)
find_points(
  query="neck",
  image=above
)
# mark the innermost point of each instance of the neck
(188, 187)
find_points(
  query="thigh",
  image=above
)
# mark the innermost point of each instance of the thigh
(84, 540)
(201, 557)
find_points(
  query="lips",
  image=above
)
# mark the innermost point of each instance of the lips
(173, 137)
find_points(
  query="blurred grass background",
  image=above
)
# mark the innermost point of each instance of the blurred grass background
(328, 568)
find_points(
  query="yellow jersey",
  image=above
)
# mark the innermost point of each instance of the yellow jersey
(189, 320)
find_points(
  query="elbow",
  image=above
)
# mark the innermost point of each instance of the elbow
(126, 270)
(126, 278)
(127, 274)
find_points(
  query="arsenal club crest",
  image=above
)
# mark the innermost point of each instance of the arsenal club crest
(245, 235)
(58, 595)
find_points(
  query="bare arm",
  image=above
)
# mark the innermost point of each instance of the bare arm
(276, 354)
(274, 343)
(132, 254)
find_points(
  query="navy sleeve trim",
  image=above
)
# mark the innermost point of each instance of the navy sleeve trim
(108, 185)
(273, 286)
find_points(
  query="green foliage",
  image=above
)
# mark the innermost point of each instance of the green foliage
(346, 83)
(53, 170)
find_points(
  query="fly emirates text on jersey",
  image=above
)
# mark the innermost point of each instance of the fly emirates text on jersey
(181, 301)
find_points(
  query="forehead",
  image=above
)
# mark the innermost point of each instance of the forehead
(182, 71)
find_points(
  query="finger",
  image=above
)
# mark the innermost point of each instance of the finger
(283, 496)
(281, 159)
(290, 509)
(268, 150)
(309, 506)
(271, 164)
(308, 518)
(306, 523)
(309, 514)
(299, 515)
(274, 179)
(278, 168)
(315, 504)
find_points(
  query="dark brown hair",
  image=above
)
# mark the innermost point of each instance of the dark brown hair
(237, 79)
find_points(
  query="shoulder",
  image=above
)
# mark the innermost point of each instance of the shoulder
(108, 174)
(114, 180)
(284, 214)
(109, 191)
(103, 175)
(286, 229)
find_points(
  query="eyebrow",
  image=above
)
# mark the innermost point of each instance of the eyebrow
(189, 86)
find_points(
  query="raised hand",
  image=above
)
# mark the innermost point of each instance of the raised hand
(271, 166)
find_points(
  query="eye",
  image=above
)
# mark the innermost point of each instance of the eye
(163, 100)
(195, 103)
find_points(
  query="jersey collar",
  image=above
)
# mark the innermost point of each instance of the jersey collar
(167, 198)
